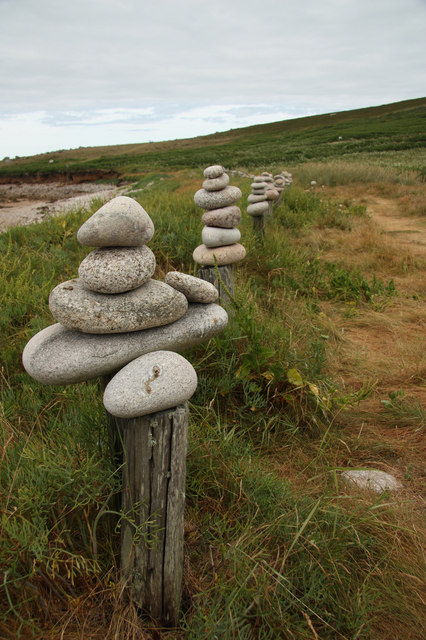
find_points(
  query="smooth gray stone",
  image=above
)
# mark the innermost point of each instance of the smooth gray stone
(258, 208)
(151, 305)
(224, 255)
(217, 199)
(227, 217)
(219, 237)
(272, 194)
(153, 382)
(258, 179)
(256, 198)
(259, 186)
(57, 355)
(121, 222)
(216, 184)
(372, 479)
(215, 171)
(117, 269)
(194, 289)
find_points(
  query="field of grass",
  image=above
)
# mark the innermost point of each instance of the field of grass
(276, 545)
(322, 369)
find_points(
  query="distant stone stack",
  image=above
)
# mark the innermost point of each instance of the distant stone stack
(279, 184)
(263, 195)
(220, 235)
(288, 178)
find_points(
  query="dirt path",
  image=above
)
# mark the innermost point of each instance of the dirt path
(410, 232)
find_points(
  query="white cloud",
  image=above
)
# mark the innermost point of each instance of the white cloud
(91, 57)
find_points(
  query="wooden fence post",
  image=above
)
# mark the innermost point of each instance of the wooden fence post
(153, 501)
(222, 278)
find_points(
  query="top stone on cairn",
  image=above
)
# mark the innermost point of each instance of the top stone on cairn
(220, 236)
(121, 222)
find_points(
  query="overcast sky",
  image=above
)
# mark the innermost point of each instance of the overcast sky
(102, 72)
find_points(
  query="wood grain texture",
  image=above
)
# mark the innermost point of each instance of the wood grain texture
(153, 502)
(224, 283)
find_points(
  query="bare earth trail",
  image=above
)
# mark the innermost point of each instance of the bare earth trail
(385, 343)
(410, 232)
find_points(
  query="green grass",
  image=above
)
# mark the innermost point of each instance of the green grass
(268, 554)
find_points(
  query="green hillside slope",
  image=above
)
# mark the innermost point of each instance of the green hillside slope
(392, 128)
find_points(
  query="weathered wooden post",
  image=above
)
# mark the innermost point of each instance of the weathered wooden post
(113, 316)
(220, 249)
(149, 397)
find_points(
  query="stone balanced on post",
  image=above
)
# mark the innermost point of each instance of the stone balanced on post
(113, 316)
(220, 236)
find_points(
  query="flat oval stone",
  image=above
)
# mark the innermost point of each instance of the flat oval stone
(121, 222)
(227, 217)
(257, 186)
(57, 355)
(194, 289)
(258, 179)
(151, 305)
(217, 199)
(215, 171)
(256, 198)
(218, 237)
(215, 184)
(258, 208)
(272, 194)
(117, 269)
(224, 255)
(153, 382)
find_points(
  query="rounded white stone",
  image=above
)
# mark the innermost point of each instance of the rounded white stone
(257, 186)
(150, 305)
(216, 184)
(121, 222)
(223, 255)
(258, 208)
(215, 171)
(194, 289)
(117, 269)
(217, 199)
(57, 355)
(227, 217)
(219, 237)
(372, 479)
(153, 382)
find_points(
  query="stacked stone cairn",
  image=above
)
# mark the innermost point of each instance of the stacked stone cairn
(220, 235)
(263, 195)
(282, 181)
(279, 184)
(116, 318)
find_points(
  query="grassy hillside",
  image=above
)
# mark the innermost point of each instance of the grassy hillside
(398, 128)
